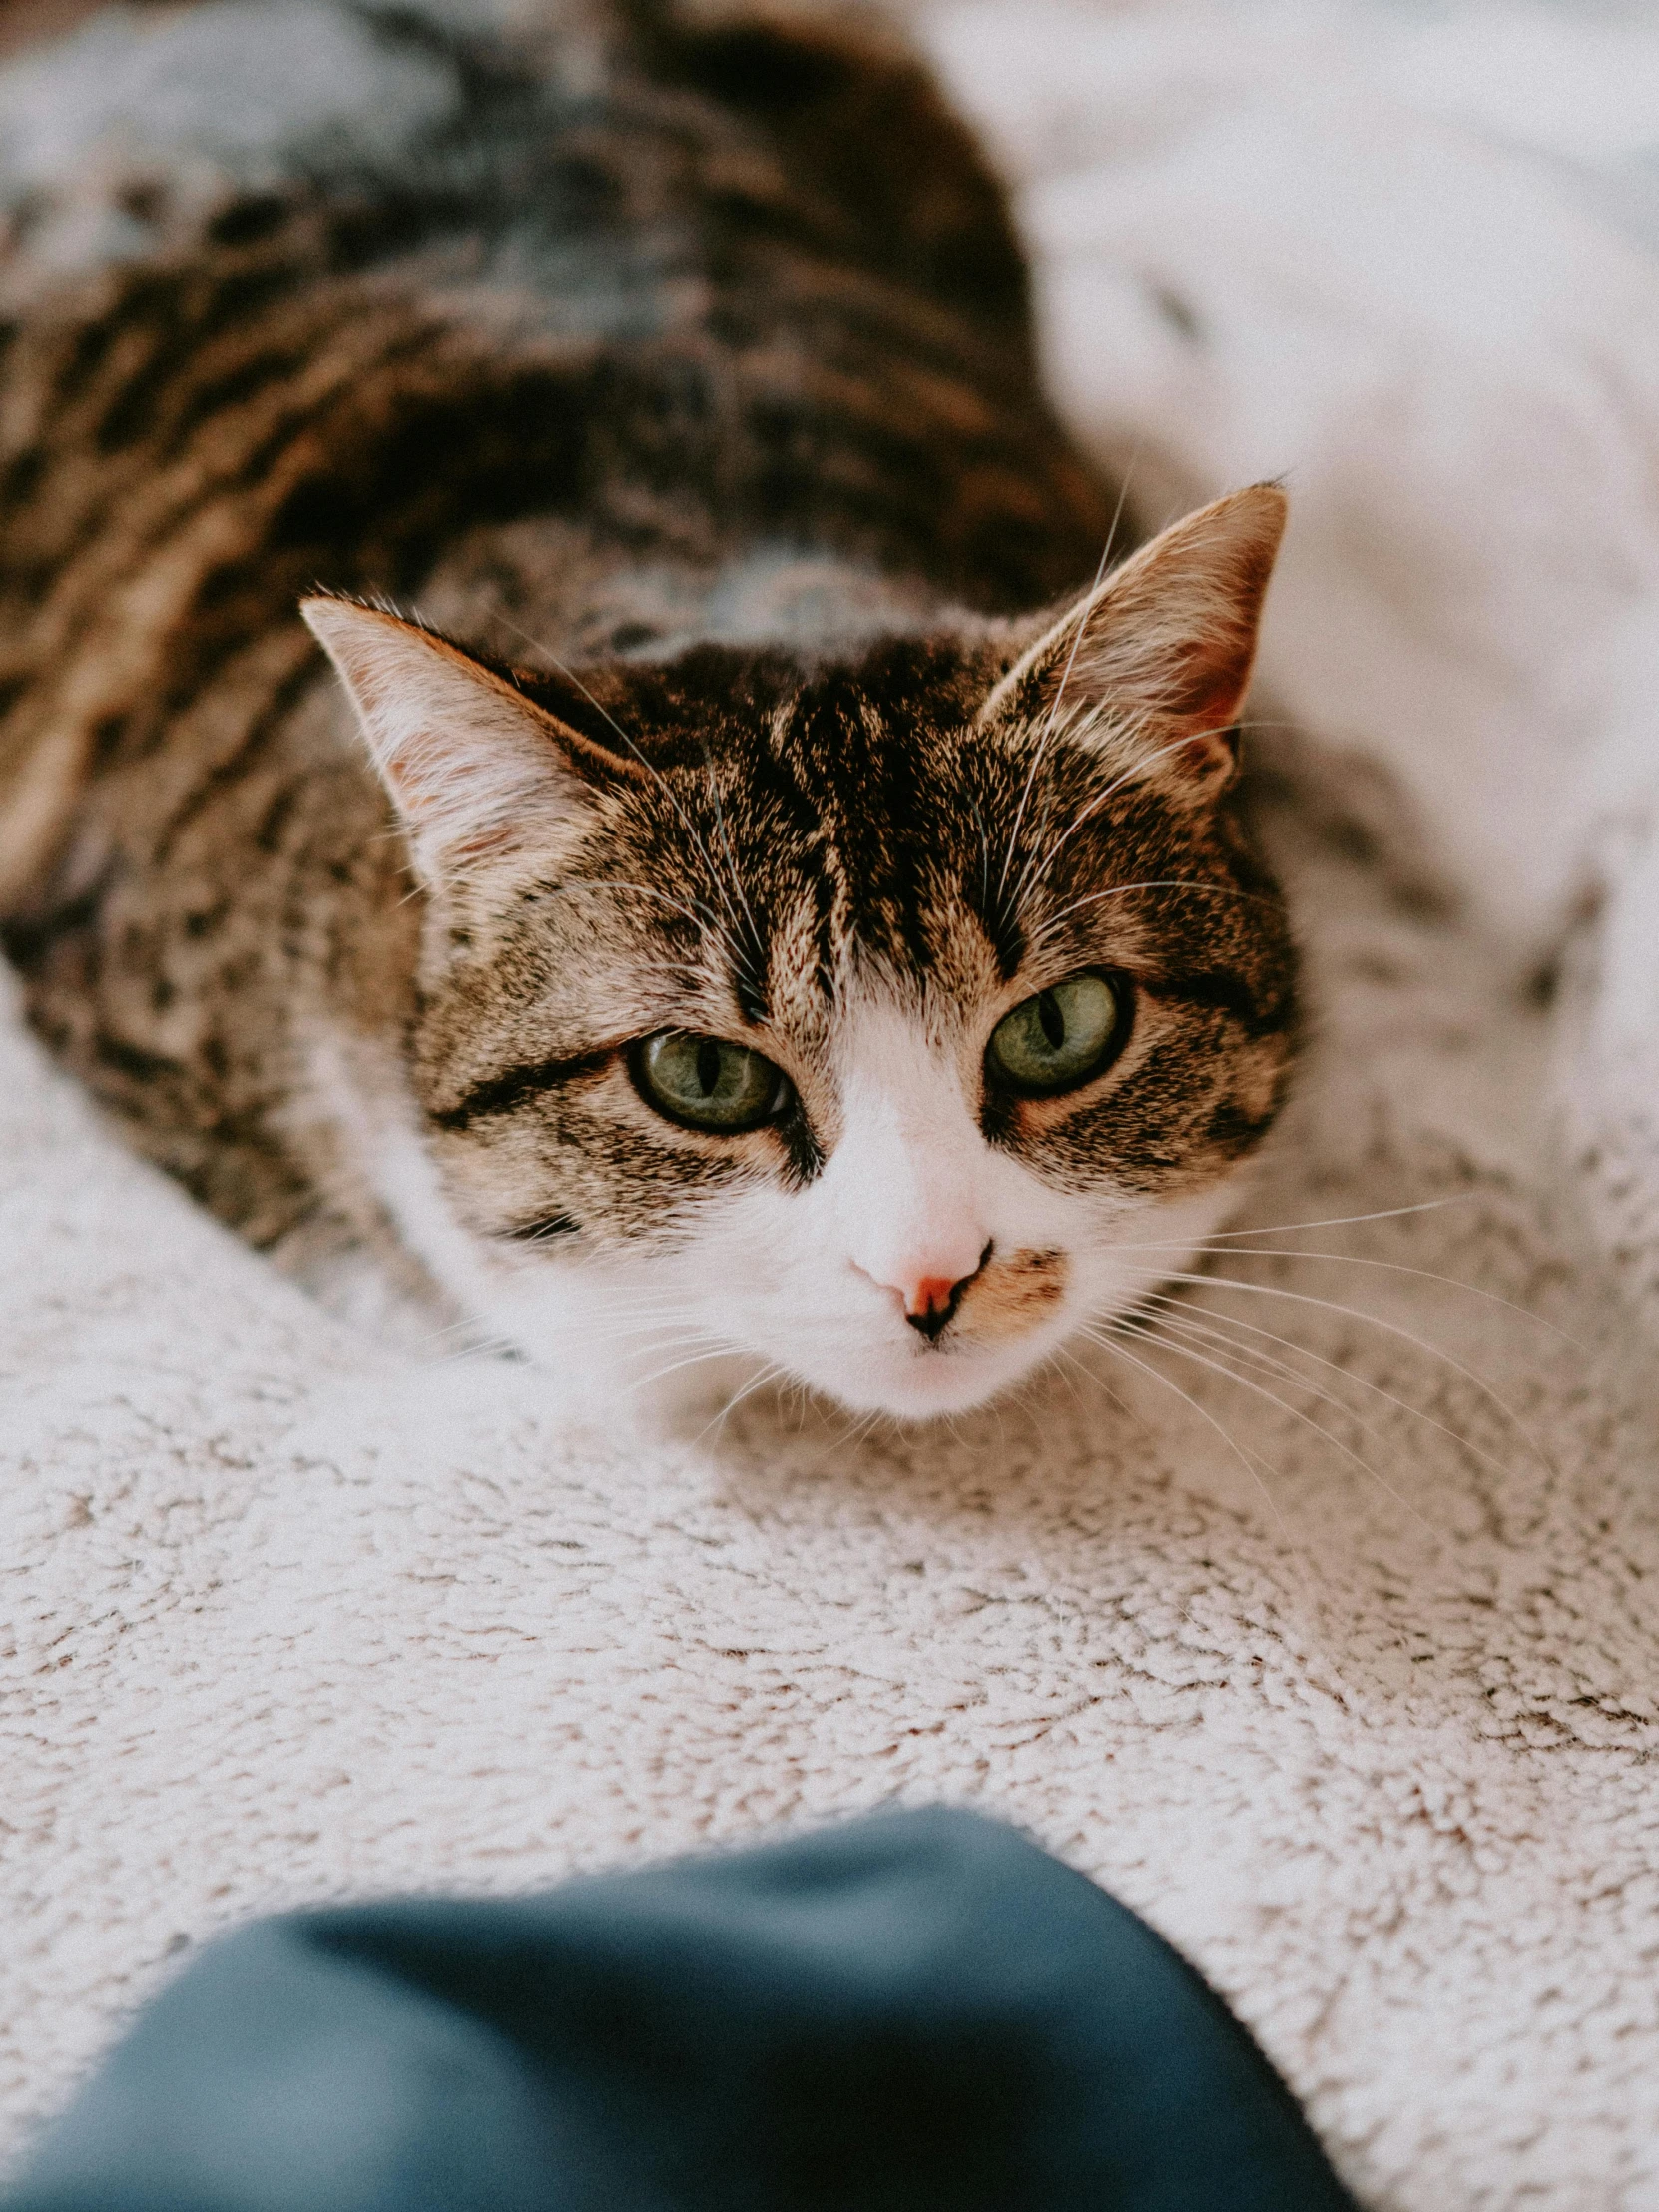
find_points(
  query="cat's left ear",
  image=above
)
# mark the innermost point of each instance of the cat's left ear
(478, 773)
(1153, 666)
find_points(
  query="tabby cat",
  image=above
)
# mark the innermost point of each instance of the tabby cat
(703, 924)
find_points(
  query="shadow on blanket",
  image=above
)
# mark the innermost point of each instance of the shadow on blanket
(913, 2011)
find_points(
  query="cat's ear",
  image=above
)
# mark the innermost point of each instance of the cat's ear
(477, 771)
(1161, 652)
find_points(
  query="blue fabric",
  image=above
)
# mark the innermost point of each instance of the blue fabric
(914, 2013)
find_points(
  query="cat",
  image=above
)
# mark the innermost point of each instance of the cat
(728, 898)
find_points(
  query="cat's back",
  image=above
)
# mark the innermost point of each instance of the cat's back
(303, 291)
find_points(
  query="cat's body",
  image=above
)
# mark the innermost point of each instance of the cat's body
(696, 362)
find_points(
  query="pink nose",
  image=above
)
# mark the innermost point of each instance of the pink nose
(931, 1300)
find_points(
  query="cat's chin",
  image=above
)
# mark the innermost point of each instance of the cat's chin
(693, 1407)
(695, 1401)
(937, 1384)
(930, 1383)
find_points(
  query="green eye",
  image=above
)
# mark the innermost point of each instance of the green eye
(1061, 1037)
(708, 1083)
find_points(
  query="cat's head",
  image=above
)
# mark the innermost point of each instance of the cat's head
(877, 1021)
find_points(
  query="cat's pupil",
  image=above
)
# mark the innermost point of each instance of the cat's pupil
(1053, 1021)
(709, 1058)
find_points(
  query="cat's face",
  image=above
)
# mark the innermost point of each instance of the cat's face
(878, 1024)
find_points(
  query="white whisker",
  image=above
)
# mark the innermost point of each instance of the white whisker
(1124, 1408)
(754, 948)
(768, 1373)
(1219, 1367)
(1051, 923)
(1356, 1260)
(644, 1381)
(1329, 1220)
(1034, 871)
(1046, 733)
(1222, 1348)
(1375, 1321)
(1364, 1382)
(1109, 1343)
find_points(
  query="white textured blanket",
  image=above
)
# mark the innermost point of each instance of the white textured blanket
(1358, 1706)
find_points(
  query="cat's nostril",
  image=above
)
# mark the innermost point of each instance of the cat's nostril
(932, 1302)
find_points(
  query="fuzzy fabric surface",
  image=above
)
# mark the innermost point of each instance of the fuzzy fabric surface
(1328, 1639)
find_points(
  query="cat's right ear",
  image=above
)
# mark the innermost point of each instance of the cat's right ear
(478, 773)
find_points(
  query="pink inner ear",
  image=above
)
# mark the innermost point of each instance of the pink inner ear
(1211, 695)
(1205, 710)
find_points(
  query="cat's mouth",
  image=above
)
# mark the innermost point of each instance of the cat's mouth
(952, 1377)
(983, 1346)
